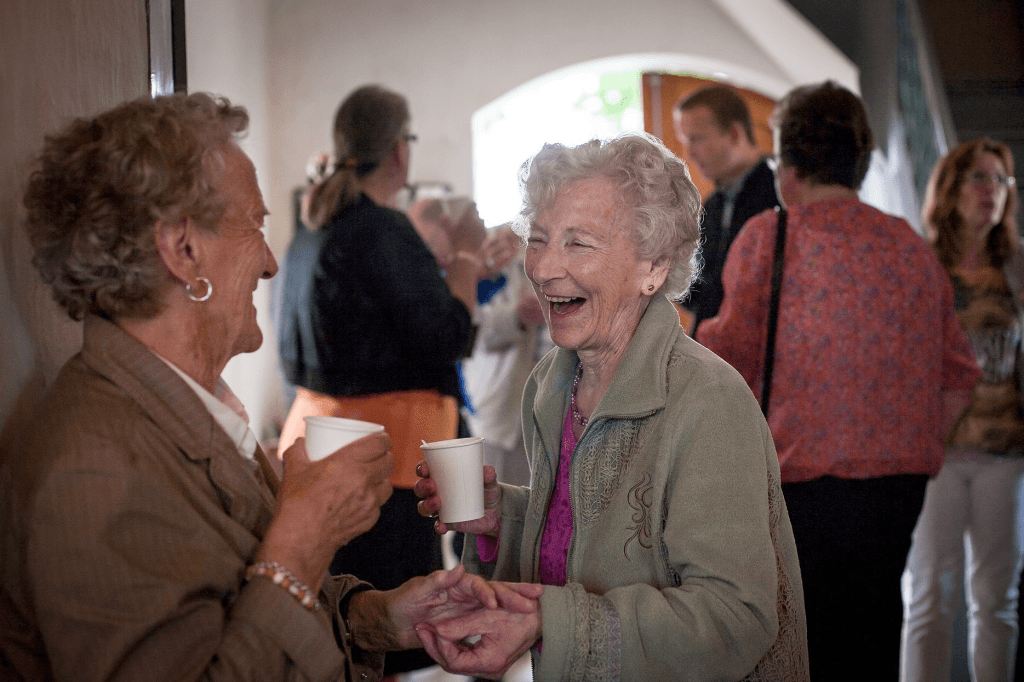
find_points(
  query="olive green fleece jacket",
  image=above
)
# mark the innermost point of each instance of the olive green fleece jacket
(682, 564)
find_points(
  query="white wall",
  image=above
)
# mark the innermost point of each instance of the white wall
(59, 59)
(227, 49)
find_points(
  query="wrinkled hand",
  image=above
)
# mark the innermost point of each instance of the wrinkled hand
(497, 252)
(430, 503)
(445, 595)
(513, 597)
(467, 229)
(504, 636)
(388, 621)
(323, 505)
(439, 596)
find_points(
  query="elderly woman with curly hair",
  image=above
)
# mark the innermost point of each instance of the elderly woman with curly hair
(145, 534)
(972, 509)
(654, 518)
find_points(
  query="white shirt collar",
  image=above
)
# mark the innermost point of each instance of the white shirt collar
(226, 409)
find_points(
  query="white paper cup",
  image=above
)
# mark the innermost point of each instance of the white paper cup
(324, 435)
(457, 466)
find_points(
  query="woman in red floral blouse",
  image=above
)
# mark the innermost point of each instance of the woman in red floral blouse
(868, 350)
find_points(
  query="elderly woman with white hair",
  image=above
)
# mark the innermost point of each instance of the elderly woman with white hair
(655, 518)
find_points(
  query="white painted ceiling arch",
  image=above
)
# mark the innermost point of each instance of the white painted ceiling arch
(454, 58)
(600, 98)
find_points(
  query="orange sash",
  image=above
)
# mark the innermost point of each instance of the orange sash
(407, 416)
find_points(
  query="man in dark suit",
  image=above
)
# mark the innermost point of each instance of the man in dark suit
(714, 125)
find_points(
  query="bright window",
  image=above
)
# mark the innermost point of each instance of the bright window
(570, 106)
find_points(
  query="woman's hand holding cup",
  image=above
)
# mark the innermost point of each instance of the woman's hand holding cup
(323, 505)
(430, 503)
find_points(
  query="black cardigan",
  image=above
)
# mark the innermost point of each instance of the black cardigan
(365, 309)
(756, 195)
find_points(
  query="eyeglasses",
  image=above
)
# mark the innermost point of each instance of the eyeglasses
(993, 179)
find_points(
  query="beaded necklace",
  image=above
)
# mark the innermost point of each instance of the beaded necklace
(576, 410)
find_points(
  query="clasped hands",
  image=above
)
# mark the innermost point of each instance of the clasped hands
(444, 612)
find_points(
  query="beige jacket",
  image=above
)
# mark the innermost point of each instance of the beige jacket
(127, 518)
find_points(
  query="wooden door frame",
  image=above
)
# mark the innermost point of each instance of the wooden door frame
(662, 90)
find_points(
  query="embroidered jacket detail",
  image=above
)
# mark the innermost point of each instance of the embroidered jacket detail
(639, 500)
(609, 449)
(787, 655)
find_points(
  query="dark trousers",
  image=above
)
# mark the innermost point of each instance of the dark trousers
(401, 545)
(853, 537)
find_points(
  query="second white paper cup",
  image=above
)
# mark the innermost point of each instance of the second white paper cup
(457, 466)
(324, 435)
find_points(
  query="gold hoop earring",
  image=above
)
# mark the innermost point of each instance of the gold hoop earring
(204, 297)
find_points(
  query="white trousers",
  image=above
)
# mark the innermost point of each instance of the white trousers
(972, 515)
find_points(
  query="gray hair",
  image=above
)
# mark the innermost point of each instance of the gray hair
(653, 182)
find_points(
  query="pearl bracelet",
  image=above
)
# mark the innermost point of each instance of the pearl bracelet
(279, 575)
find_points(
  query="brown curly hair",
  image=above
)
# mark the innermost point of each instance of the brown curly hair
(939, 213)
(824, 134)
(367, 126)
(102, 183)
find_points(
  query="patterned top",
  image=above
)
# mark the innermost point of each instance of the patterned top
(554, 544)
(985, 306)
(867, 340)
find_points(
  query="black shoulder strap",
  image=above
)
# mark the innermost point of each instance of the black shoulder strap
(778, 264)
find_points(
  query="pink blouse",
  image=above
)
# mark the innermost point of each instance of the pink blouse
(554, 544)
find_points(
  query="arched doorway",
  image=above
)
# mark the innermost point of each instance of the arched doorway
(594, 99)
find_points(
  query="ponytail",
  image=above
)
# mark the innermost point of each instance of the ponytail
(368, 124)
(336, 192)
